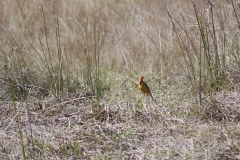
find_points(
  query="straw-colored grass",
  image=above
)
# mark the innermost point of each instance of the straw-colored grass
(69, 72)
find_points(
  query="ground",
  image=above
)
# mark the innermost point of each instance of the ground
(69, 74)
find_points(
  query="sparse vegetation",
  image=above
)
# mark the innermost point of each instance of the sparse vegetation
(69, 72)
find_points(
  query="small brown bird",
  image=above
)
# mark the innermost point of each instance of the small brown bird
(144, 87)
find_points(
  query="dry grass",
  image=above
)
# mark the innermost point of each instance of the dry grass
(68, 80)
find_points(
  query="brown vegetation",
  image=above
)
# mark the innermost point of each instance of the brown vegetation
(69, 70)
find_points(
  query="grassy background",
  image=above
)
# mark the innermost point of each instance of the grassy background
(69, 71)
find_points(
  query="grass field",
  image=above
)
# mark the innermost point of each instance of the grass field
(69, 72)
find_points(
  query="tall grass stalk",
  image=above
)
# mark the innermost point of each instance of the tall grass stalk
(203, 62)
(93, 62)
(87, 54)
(212, 64)
(97, 62)
(235, 13)
(59, 88)
(48, 62)
(234, 44)
(19, 130)
(19, 81)
(185, 51)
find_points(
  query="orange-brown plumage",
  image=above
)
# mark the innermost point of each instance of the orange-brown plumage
(144, 87)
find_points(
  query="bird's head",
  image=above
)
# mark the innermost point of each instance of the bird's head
(141, 78)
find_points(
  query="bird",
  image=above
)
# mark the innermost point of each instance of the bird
(142, 86)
